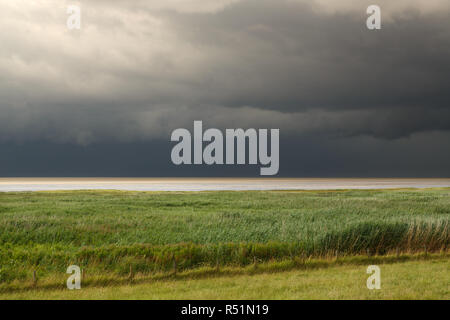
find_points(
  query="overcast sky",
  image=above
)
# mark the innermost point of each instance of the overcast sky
(103, 100)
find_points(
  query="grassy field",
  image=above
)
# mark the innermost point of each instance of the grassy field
(112, 234)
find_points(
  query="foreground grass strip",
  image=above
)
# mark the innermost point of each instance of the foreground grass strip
(95, 279)
(411, 279)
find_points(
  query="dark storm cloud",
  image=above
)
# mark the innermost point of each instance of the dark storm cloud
(288, 56)
(137, 70)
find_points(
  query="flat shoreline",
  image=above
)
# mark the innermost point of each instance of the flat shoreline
(216, 184)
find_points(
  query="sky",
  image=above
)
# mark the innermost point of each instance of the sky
(104, 99)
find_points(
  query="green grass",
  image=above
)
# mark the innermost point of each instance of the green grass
(411, 279)
(109, 232)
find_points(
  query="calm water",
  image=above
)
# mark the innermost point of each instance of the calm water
(204, 184)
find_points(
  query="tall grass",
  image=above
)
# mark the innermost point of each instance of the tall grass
(366, 238)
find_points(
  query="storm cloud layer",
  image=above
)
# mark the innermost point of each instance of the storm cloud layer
(139, 69)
